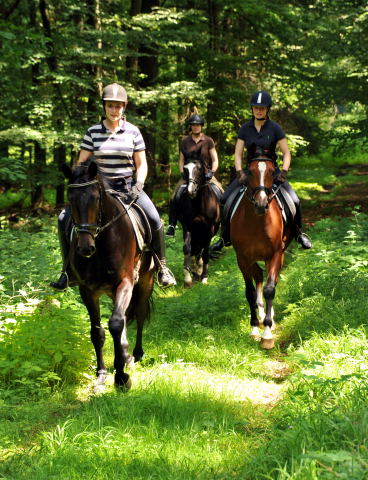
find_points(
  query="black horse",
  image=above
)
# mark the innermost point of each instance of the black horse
(199, 213)
(106, 259)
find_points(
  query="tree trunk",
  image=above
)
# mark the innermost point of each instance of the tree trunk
(59, 160)
(39, 167)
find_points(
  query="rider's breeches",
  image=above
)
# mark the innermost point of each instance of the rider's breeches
(230, 189)
(64, 231)
(149, 209)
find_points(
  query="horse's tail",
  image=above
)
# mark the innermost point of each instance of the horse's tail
(141, 304)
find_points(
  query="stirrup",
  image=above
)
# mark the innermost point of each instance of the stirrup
(165, 277)
(170, 232)
(217, 246)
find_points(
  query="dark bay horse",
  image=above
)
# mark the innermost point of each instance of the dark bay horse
(199, 214)
(105, 259)
(258, 234)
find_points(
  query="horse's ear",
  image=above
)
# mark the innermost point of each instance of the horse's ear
(67, 171)
(92, 169)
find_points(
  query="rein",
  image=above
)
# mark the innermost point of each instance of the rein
(92, 228)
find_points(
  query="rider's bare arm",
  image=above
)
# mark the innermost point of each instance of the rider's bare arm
(140, 165)
(83, 156)
(214, 159)
(286, 155)
(239, 149)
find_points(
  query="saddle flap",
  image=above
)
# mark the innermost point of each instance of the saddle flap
(285, 200)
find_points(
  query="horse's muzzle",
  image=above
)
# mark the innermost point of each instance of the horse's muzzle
(261, 209)
(86, 250)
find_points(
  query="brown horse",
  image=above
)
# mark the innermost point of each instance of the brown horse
(105, 259)
(258, 234)
(199, 214)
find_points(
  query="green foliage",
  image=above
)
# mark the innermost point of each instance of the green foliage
(206, 402)
(175, 56)
(12, 170)
(40, 349)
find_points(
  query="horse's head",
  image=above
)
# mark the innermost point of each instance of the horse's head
(194, 176)
(84, 195)
(260, 179)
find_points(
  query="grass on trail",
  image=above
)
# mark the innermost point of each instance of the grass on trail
(206, 402)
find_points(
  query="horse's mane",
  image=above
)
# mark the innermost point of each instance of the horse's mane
(80, 170)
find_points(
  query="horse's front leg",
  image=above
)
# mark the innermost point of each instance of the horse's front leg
(205, 259)
(118, 330)
(187, 260)
(273, 268)
(97, 331)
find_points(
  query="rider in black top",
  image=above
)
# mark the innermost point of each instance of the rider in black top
(260, 136)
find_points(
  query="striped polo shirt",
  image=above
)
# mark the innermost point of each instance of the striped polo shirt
(114, 151)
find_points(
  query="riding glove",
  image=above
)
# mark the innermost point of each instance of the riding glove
(136, 191)
(241, 176)
(281, 177)
(208, 175)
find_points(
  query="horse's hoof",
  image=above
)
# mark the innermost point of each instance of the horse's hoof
(123, 383)
(101, 378)
(205, 281)
(130, 363)
(255, 333)
(267, 343)
(188, 285)
(99, 389)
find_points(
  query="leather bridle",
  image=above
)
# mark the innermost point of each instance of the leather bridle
(94, 229)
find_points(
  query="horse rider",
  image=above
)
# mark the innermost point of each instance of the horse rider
(119, 151)
(260, 136)
(195, 146)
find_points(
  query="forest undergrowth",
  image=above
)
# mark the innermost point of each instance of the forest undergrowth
(206, 401)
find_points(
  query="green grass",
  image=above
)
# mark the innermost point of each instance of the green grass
(206, 402)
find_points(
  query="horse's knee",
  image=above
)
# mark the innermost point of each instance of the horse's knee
(98, 335)
(269, 291)
(116, 325)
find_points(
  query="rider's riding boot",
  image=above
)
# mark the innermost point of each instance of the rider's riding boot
(300, 237)
(224, 240)
(164, 277)
(63, 282)
(66, 278)
(170, 232)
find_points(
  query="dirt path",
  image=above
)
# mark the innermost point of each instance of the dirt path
(342, 200)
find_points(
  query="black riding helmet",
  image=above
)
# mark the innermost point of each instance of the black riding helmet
(196, 120)
(261, 99)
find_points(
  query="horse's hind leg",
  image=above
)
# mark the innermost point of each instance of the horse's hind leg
(187, 260)
(97, 332)
(250, 294)
(142, 308)
(258, 278)
(118, 330)
(205, 258)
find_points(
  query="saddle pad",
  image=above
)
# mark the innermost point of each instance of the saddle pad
(141, 226)
(216, 190)
(285, 199)
(238, 200)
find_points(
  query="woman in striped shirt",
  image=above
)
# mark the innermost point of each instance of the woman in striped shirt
(119, 151)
